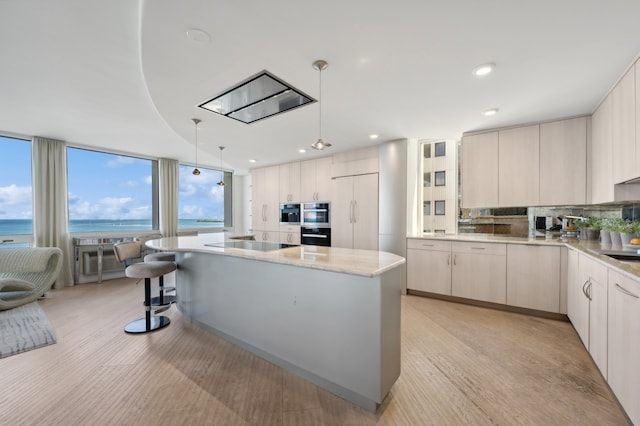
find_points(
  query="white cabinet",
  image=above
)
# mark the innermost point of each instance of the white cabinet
(587, 307)
(624, 342)
(533, 277)
(315, 179)
(429, 266)
(354, 212)
(563, 162)
(480, 170)
(290, 234)
(519, 166)
(265, 203)
(289, 182)
(624, 128)
(479, 271)
(601, 161)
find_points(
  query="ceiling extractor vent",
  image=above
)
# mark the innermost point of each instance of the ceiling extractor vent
(258, 97)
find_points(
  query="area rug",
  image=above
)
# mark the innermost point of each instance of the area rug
(24, 328)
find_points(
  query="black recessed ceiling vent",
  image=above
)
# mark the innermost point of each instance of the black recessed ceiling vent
(258, 97)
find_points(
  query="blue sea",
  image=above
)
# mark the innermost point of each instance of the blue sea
(25, 226)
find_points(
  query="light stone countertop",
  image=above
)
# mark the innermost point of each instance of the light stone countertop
(368, 263)
(587, 247)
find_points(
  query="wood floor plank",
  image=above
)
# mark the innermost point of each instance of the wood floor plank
(460, 365)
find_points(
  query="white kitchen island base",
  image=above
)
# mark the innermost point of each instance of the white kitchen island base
(337, 330)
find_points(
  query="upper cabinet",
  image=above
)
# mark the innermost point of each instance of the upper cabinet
(563, 162)
(264, 201)
(315, 178)
(289, 182)
(480, 170)
(623, 106)
(601, 161)
(519, 166)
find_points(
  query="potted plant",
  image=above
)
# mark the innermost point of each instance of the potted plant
(590, 229)
(626, 230)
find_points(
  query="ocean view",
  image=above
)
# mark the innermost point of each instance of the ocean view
(25, 226)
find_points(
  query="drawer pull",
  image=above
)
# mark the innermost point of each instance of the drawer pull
(477, 248)
(625, 291)
(428, 245)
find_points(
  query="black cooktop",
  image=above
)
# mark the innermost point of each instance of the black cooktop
(251, 245)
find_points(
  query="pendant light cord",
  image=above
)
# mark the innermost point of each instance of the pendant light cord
(320, 103)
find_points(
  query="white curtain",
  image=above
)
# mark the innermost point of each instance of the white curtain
(50, 216)
(168, 197)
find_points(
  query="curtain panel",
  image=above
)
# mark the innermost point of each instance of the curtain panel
(168, 196)
(50, 214)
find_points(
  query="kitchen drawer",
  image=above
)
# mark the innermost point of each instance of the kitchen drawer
(480, 248)
(290, 228)
(426, 244)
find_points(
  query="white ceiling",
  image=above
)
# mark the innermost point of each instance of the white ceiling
(122, 75)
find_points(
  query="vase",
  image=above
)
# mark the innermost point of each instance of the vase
(626, 237)
(615, 238)
(605, 237)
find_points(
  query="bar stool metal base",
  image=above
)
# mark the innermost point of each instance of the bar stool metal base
(166, 300)
(140, 325)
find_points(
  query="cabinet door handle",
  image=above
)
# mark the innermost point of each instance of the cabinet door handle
(355, 211)
(584, 291)
(625, 291)
(448, 259)
(351, 211)
(589, 289)
(454, 259)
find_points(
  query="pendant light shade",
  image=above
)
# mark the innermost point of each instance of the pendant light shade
(196, 121)
(221, 183)
(320, 66)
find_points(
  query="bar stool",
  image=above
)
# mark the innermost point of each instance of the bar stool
(126, 252)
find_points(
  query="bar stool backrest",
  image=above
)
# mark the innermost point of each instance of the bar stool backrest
(126, 252)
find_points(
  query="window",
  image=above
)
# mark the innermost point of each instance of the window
(109, 192)
(440, 178)
(440, 149)
(202, 203)
(427, 150)
(16, 201)
(427, 180)
(440, 208)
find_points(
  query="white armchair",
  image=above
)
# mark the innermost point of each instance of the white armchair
(27, 273)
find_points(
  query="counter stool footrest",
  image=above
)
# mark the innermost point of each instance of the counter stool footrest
(140, 325)
(166, 300)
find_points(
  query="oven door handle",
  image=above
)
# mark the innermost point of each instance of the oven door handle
(314, 236)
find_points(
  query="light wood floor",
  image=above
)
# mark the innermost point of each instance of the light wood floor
(460, 365)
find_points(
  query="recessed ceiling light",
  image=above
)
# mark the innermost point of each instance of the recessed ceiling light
(252, 160)
(374, 136)
(484, 69)
(490, 112)
(302, 150)
(198, 36)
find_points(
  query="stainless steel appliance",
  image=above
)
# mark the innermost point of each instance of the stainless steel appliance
(315, 236)
(289, 214)
(316, 214)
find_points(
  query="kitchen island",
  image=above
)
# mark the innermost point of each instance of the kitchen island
(328, 315)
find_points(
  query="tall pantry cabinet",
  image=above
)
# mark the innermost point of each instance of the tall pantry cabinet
(354, 217)
(265, 203)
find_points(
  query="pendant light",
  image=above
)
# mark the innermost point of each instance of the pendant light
(221, 183)
(320, 66)
(196, 121)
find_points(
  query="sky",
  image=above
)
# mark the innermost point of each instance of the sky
(105, 186)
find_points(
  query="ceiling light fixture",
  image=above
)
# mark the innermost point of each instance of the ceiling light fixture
(196, 121)
(320, 65)
(302, 150)
(490, 112)
(221, 183)
(374, 136)
(252, 160)
(484, 69)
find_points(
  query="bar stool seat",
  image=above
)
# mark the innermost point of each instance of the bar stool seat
(162, 299)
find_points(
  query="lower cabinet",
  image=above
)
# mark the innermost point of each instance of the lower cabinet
(429, 266)
(534, 276)
(271, 236)
(479, 271)
(290, 234)
(624, 342)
